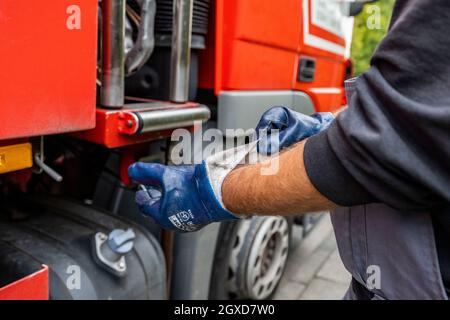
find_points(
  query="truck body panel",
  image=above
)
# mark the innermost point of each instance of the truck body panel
(48, 67)
(259, 45)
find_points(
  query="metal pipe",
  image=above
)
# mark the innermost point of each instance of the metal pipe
(113, 55)
(181, 50)
(52, 173)
(169, 119)
(145, 42)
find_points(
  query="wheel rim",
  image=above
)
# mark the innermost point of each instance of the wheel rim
(258, 258)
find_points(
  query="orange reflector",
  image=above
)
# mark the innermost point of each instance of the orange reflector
(15, 157)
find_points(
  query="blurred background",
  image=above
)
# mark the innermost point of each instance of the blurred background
(366, 40)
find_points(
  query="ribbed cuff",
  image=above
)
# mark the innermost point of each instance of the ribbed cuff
(213, 205)
(329, 177)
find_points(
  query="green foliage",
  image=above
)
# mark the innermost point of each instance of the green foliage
(368, 33)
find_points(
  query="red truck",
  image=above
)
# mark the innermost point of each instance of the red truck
(88, 87)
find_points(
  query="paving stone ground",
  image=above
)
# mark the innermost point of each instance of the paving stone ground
(314, 270)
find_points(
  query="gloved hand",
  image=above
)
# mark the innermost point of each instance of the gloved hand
(185, 198)
(179, 198)
(292, 127)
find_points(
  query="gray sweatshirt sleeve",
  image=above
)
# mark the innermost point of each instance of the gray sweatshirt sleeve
(392, 144)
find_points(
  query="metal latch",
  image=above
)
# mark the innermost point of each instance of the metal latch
(109, 250)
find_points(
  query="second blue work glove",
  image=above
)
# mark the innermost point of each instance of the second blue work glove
(292, 127)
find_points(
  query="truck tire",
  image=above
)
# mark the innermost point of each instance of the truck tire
(250, 258)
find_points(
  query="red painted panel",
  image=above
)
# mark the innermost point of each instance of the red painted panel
(328, 100)
(250, 66)
(256, 44)
(107, 133)
(327, 89)
(48, 71)
(269, 23)
(32, 287)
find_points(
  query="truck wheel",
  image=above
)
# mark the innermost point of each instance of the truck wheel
(250, 258)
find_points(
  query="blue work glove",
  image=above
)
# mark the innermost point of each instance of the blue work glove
(180, 198)
(292, 127)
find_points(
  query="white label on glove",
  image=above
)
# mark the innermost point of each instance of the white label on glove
(182, 221)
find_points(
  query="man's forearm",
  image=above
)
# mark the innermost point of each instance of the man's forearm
(288, 191)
